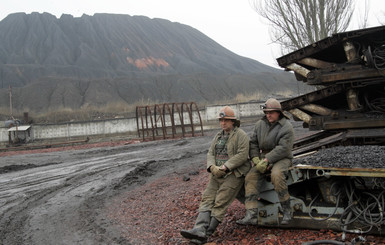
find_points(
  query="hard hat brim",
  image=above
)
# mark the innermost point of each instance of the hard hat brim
(227, 117)
(273, 109)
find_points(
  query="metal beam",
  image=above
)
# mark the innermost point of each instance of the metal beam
(311, 97)
(353, 123)
(317, 109)
(315, 63)
(298, 69)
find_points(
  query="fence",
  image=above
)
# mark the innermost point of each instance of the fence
(127, 126)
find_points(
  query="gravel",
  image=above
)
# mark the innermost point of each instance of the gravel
(156, 212)
(369, 156)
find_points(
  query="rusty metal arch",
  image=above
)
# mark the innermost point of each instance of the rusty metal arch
(138, 114)
(189, 115)
(145, 128)
(184, 105)
(161, 119)
(176, 105)
(157, 118)
(167, 106)
(199, 115)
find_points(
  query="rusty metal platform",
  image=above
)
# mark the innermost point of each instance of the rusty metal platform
(358, 172)
(349, 70)
(338, 178)
(330, 50)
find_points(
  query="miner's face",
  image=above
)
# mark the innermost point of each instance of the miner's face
(272, 116)
(226, 124)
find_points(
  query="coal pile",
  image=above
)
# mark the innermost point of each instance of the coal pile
(372, 156)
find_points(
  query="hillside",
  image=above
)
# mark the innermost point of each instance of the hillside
(68, 62)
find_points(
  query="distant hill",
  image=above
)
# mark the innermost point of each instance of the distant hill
(95, 60)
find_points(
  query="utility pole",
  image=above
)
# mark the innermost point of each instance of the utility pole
(10, 102)
(13, 119)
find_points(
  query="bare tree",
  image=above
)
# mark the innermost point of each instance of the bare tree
(382, 21)
(297, 23)
(363, 17)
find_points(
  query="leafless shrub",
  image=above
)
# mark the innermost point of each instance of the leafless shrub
(119, 109)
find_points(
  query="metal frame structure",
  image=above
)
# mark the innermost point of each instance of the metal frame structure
(152, 121)
(350, 69)
(347, 109)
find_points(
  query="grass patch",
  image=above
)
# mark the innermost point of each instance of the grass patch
(119, 110)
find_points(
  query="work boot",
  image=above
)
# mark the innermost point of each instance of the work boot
(251, 217)
(198, 232)
(286, 212)
(212, 227)
(210, 230)
(196, 241)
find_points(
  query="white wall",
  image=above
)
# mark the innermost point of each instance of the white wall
(126, 125)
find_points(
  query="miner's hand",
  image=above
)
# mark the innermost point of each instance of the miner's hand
(262, 166)
(217, 172)
(255, 160)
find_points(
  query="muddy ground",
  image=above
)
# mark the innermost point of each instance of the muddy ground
(61, 197)
(121, 193)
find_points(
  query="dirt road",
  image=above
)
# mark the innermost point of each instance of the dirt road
(59, 197)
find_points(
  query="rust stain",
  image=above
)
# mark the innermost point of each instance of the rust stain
(147, 62)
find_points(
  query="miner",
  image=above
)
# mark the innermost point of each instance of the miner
(271, 147)
(227, 164)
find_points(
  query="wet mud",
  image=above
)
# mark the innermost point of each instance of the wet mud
(60, 197)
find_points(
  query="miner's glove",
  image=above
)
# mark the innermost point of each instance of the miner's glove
(262, 166)
(217, 172)
(255, 160)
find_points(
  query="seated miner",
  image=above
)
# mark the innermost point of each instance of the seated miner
(271, 147)
(227, 163)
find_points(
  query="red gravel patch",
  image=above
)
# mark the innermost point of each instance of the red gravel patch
(156, 212)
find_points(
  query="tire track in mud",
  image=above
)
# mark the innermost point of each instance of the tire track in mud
(64, 201)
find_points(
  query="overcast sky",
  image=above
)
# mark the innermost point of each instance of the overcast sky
(231, 23)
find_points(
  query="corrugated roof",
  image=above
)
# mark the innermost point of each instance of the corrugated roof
(19, 128)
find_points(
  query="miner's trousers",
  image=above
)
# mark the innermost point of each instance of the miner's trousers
(254, 181)
(219, 194)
